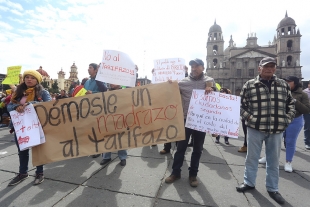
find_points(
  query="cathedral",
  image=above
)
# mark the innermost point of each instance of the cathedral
(63, 84)
(233, 66)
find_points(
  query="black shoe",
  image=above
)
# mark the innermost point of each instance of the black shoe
(19, 178)
(123, 162)
(38, 179)
(105, 161)
(244, 187)
(277, 197)
(95, 156)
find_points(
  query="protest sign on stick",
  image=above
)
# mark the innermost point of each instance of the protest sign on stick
(12, 75)
(109, 121)
(214, 113)
(168, 69)
(117, 68)
(27, 127)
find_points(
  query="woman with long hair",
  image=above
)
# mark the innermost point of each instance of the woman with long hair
(30, 91)
(302, 106)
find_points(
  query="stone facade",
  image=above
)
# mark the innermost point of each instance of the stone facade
(233, 66)
(63, 84)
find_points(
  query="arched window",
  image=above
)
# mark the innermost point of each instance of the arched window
(214, 62)
(282, 31)
(215, 36)
(215, 49)
(289, 60)
(289, 45)
(289, 31)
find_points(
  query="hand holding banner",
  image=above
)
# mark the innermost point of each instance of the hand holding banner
(12, 75)
(27, 127)
(117, 68)
(168, 69)
(214, 113)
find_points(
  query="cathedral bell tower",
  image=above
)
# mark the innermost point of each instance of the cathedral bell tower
(215, 47)
(288, 47)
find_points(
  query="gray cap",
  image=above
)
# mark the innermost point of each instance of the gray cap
(267, 60)
(196, 61)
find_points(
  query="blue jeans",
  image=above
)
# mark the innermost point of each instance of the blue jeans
(273, 148)
(122, 155)
(307, 129)
(24, 159)
(198, 140)
(291, 135)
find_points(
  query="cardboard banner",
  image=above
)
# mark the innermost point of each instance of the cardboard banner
(168, 69)
(109, 121)
(117, 68)
(214, 113)
(27, 127)
(12, 75)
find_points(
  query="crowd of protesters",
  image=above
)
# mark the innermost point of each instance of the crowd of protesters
(271, 108)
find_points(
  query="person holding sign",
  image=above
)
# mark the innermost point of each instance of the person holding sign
(94, 86)
(30, 91)
(268, 107)
(122, 154)
(196, 80)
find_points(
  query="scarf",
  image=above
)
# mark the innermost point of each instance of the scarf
(30, 93)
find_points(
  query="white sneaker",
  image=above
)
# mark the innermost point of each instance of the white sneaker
(262, 160)
(288, 167)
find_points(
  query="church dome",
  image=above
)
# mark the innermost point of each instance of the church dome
(215, 28)
(43, 72)
(226, 51)
(286, 21)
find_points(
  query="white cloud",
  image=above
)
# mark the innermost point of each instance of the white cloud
(16, 20)
(16, 12)
(3, 8)
(5, 25)
(12, 4)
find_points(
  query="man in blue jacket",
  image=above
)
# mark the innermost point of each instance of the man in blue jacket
(94, 86)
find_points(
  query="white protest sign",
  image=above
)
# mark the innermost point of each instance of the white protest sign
(165, 69)
(117, 68)
(214, 113)
(28, 128)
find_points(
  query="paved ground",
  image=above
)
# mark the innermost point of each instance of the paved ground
(84, 182)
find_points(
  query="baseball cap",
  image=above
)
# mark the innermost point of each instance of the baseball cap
(292, 79)
(267, 60)
(196, 61)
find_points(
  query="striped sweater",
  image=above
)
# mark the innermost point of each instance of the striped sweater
(188, 84)
(267, 111)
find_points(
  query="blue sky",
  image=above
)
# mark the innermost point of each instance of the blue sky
(55, 34)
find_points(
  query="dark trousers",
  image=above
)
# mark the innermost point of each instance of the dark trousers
(198, 140)
(245, 131)
(24, 159)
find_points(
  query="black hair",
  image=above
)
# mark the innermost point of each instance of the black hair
(224, 90)
(94, 65)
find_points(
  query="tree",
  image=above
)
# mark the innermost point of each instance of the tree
(44, 84)
(55, 88)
